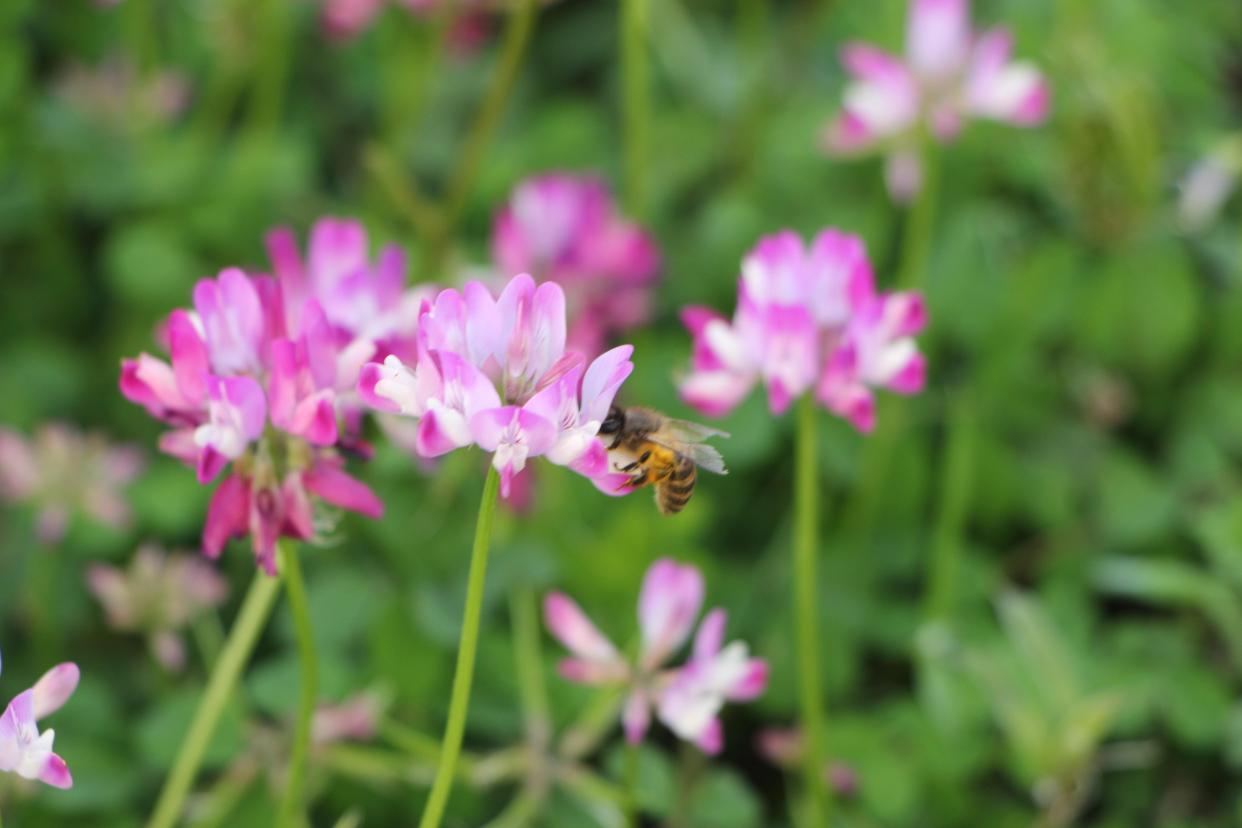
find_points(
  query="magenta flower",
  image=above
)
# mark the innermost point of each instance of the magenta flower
(62, 471)
(157, 595)
(688, 699)
(262, 378)
(494, 372)
(949, 74)
(566, 228)
(23, 749)
(807, 319)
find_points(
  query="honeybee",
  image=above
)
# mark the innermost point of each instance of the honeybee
(660, 451)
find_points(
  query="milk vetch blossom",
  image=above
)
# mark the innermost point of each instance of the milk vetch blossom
(808, 320)
(948, 75)
(567, 229)
(687, 699)
(26, 751)
(261, 381)
(494, 372)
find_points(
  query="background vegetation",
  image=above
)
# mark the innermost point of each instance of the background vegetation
(1087, 350)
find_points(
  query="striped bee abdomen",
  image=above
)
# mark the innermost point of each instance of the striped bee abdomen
(674, 492)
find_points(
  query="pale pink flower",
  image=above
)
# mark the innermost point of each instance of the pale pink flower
(63, 472)
(567, 229)
(23, 749)
(687, 699)
(494, 372)
(949, 74)
(1208, 185)
(807, 319)
(785, 747)
(116, 94)
(157, 595)
(356, 719)
(262, 378)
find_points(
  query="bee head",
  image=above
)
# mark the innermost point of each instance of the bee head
(614, 422)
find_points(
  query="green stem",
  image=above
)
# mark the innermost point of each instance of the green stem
(916, 240)
(635, 103)
(459, 703)
(880, 450)
(521, 811)
(955, 490)
(596, 721)
(423, 216)
(415, 52)
(806, 543)
(517, 37)
(140, 23)
(291, 802)
(524, 609)
(631, 786)
(241, 642)
(273, 65)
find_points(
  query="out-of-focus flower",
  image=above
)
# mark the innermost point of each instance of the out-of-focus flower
(807, 319)
(1209, 184)
(356, 719)
(784, 747)
(114, 92)
(62, 471)
(157, 595)
(494, 372)
(262, 377)
(687, 699)
(949, 74)
(567, 229)
(347, 19)
(23, 749)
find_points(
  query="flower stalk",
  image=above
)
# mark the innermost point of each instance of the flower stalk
(806, 542)
(463, 677)
(518, 30)
(955, 491)
(920, 220)
(251, 620)
(636, 104)
(291, 802)
(632, 814)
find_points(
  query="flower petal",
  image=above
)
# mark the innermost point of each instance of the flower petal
(327, 480)
(228, 515)
(54, 688)
(667, 606)
(938, 37)
(570, 625)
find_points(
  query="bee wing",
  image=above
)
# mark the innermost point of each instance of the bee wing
(704, 456)
(684, 431)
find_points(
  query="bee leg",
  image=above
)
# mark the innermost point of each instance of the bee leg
(642, 458)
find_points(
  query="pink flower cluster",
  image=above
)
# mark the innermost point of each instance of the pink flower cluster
(807, 318)
(157, 594)
(687, 699)
(566, 229)
(23, 749)
(63, 471)
(262, 376)
(494, 372)
(949, 74)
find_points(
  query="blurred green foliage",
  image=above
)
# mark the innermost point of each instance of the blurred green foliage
(1088, 670)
